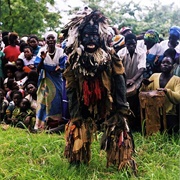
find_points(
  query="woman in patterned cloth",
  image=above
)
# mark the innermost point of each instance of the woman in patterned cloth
(154, 53)
(50, 62)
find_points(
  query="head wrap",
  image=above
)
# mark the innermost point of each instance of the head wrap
(124, 30)
(175, 30)
(50, 33)
(151, 35)
(118, 40)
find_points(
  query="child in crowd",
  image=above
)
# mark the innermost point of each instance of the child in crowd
(32, 76)
(29, 59)
(20, 74)
(23, 116)
(33, 41)
(34, 44)
(3, 104)
(31, 89)
(16, 97)
(9, 74)
(12, 86)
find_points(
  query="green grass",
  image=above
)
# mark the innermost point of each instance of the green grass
(25, 156)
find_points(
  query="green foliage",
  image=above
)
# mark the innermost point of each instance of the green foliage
(140, 18)
(160, 17)
(28, 16)
(34, 16)
(40, 156)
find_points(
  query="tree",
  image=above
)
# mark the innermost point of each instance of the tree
(160, 17)
(140, 18)
(28, 16)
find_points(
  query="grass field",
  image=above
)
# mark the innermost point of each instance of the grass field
(25, 156)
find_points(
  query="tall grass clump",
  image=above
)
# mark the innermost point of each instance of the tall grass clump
(26, 156)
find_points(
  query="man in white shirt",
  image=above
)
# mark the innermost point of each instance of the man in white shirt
(134, 61)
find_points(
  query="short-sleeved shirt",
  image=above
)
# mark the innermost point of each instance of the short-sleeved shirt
(132, 65)
(12, 53)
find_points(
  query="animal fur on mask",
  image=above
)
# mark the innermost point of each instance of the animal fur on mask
(72, 31)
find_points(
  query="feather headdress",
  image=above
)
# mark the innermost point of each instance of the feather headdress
(72, 30)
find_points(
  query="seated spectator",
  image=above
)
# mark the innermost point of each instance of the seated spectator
(170, 84)
(3, 104)
(23, 116)
(16, 97)
(20, 74)
(31, 89)
(12, 86)
(32, 77)
(9, 70)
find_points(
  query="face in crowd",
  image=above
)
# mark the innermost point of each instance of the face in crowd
(167, 64)
(50, 40)
(131, 45)
(33, 43)
(28, 53)
(173, 41)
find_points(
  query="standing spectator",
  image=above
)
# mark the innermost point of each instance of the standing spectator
(49, 62)
(134, 61)
(125, 30)
(12, 51)
(5, 41)
(154, 52)
(29, 59)
(173, 42)
(33, 42)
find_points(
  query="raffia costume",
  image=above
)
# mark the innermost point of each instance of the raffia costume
(94, 82)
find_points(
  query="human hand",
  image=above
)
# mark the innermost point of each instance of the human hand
(130, 82)
(31, 66)
(57, 68)
(43, 55)
(14, 120)
(162, 89)
(146, 82)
